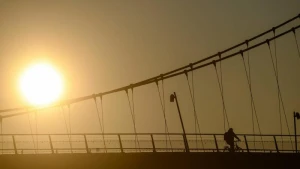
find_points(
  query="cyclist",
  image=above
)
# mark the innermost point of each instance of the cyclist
(229, 138)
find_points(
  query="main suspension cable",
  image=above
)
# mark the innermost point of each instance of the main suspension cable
(196, 120)
(163, 106)
(99, 119)
(133, 117)
(170, 73)
(222, 95)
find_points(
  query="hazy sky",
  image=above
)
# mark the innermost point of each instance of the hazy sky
(102, 45)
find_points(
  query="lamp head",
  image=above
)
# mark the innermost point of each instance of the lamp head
(297, 115)
(172, 98)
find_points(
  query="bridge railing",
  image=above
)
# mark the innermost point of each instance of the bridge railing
(142, 142)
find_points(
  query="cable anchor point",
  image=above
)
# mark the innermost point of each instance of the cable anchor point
(293, 29)
(274, 29)
(242, 53)
(247, 43)
(161, 76)
(156, 82)
(268, 42)
(94, 96)
(131, 87)
(214, 63)
(186, 73)
(191, 66)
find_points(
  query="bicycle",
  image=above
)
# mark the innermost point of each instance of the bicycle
(236, 147)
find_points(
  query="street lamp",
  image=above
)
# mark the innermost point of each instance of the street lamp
(173, 98)
(296, 116)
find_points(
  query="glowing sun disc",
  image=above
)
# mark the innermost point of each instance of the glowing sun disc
(41, 84)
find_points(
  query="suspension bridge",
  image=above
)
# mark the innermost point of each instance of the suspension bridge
(182, 149)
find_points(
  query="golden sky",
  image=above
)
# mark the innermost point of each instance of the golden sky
(102, 45)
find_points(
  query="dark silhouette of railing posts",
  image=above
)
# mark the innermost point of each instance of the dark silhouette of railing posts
(153, 144)
(51, 145)
(216, 143)
(19, 143)
(246, 142)
(15, 146)
(86, 144)
(120, 141)
(276, 144)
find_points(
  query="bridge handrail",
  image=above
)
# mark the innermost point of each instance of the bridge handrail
(154, 142)
(198, 134)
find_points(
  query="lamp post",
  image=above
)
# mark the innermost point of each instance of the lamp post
(296, 116)
(172, 98)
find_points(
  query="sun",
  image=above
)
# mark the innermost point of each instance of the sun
(41, 84)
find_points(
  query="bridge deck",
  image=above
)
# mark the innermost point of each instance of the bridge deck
(151, 161)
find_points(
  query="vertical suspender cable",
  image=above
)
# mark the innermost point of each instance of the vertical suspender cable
(103, 123)
(222, 96)
(295, 35)
(65, 120)
(165, 117)
(221, 82)
(70, 128)
(36, 131)
(99, 119)
(253, 107)
(250, 88)
(163, 106)
(279, 92)
(133, 117)
(29, 121)
(276, 74)
(1, 125)
(133, 113)
(281, 98)
(192, 94)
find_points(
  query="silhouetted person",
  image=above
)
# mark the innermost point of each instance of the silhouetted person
(229, 138)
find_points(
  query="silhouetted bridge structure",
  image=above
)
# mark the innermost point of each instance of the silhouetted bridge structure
(159, 150)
